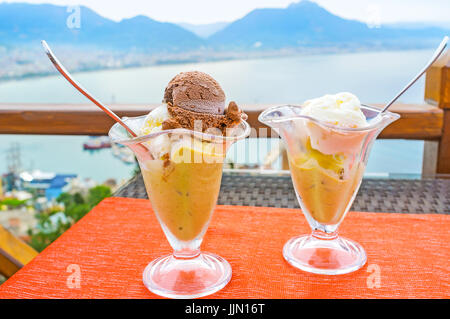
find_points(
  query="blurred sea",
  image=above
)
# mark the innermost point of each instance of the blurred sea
(373, 77)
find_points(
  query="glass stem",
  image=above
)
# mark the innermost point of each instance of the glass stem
(186, 253)
(323, 235)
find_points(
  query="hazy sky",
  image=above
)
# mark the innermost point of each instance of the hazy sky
(208, 11)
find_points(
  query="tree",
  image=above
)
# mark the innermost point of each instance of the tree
(97, 194)
(75, 208)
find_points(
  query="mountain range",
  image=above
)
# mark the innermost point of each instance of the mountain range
(302, 24)
(306, 24)
(22, 24)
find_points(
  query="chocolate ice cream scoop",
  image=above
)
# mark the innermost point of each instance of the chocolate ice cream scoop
(180, 118)
(196, 92)
(195, 97)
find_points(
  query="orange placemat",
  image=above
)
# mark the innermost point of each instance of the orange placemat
(115, 241)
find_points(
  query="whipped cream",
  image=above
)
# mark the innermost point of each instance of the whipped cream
(342, 109)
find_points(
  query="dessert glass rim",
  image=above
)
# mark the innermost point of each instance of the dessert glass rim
(246, 129)
(376, 123)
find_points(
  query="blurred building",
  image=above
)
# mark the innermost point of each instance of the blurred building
(48, 185)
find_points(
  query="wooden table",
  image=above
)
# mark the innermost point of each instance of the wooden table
(104, 255)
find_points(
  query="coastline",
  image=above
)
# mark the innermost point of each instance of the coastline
(210, 57)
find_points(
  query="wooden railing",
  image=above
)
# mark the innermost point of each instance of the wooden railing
(417, 122)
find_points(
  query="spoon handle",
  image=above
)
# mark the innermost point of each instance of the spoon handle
(436, 55)
(82, 90)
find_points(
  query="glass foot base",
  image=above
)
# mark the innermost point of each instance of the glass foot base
(327, 257)
(187, 278)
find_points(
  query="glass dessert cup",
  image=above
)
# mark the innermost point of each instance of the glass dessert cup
(182, 171)
(327, 164)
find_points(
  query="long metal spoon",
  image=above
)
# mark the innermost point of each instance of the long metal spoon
(436, 55)
(82, 90)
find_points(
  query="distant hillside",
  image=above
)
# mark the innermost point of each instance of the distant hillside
(307, 24)
(27, 24)
(302, 24)
(420, 25)
(204, 30)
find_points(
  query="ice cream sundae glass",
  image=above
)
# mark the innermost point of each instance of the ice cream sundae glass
(181, 150)
(328, 142)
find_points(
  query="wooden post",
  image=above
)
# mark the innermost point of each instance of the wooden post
(437, 91)
(284, 160)
(430, 157)
(14, 253)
